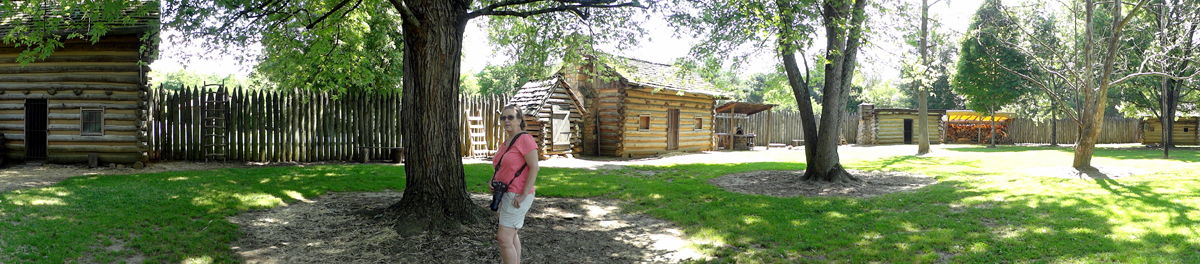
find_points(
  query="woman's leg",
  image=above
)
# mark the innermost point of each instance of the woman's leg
(517, 244)
(510, 245)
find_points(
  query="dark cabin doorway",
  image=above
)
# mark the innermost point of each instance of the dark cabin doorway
(908, 131)
(672, 129)
(36, 119)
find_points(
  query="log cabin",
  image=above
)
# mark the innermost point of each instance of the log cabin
(896, 126)
(627, 108)
(1185, 131)
(87, 101)
(553, 114)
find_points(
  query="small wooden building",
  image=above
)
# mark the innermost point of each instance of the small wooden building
(970, 127)
(633, 108)
(1185, 131)
(896, 126)
(731, 117)
(84, 100)
(553, 113)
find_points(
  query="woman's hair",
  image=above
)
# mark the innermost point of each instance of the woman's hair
(516, 110)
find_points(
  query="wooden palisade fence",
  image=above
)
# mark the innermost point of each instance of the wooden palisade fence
(786, 126)
(300, 126)
(1116, 130)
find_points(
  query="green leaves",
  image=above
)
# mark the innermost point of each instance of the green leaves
(987, 49)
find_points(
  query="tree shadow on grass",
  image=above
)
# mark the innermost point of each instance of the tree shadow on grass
(953, 221)
(1144, 193)
(165, 217)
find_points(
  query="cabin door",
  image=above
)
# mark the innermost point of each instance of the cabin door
(560, 125)
(36, 117)
(672, 129)
(908, 131)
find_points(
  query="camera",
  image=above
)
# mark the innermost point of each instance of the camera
(498, 190)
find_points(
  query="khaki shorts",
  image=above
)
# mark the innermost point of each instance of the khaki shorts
(510, 216)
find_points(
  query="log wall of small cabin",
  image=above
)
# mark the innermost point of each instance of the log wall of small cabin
(79, 76)
(1184, 132)
(560, 96)
(642, 101)
(890, 128)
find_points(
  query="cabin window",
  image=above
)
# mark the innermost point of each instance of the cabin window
(644, 123)
(699, 123)
(91, 122)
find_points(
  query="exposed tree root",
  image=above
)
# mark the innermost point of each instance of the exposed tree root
(835, 175)
(414, 216)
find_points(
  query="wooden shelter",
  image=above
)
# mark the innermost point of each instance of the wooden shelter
(86, 101)
(1185, 131)
(553, 113)
(632, 108)
(732, 136)
(896, 126)
(969, 127)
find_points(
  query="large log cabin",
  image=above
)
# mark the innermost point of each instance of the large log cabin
(87, 101)
(896, 126)
(632, 108)
(1185, 131)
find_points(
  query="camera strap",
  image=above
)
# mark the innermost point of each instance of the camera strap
(496, 168)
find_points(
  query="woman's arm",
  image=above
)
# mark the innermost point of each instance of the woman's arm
(531, 159)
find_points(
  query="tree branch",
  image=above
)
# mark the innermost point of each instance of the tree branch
(1054, 96)
(327, 14)
(574, 7)
(1157, 74)
(405, 13)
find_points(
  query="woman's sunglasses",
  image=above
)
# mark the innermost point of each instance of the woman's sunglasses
(507, 117)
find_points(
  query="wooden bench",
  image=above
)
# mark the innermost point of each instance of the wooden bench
(796, 143)
(397, 153)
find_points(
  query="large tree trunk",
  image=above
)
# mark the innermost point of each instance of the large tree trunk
(842, 52)
(922, 91)
(1091, 118)
(435, 197)
(787, 51)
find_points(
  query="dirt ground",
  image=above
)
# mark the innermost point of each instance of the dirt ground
(787, 184)
(329, 229)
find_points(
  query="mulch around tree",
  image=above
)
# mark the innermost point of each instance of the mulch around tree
(332, 229)
(788, 184)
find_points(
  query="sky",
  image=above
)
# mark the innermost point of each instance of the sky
(662, 47)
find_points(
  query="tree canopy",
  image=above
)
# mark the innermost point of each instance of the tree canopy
(986, 51)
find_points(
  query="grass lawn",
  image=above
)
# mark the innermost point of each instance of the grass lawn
(985, 209)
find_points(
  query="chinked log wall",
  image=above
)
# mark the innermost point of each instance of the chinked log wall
(642, 101)
(80, 75)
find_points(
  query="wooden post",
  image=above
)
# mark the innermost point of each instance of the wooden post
(769, 128)
(732, 119)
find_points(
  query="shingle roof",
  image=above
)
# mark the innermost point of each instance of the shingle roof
(138, 17)
(660, 75)
(534, 93)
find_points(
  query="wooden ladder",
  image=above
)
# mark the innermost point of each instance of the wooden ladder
(214, 106)
(475, 127)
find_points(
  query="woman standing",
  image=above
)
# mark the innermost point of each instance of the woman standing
(517, 164)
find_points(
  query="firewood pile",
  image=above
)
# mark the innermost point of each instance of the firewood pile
(969, 133)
